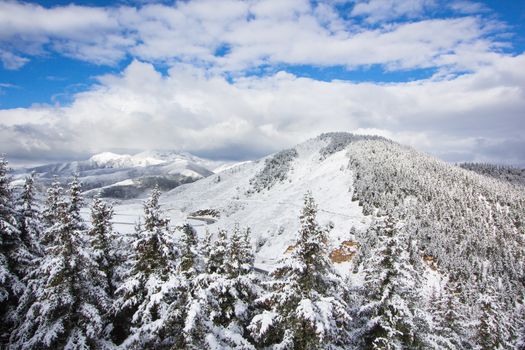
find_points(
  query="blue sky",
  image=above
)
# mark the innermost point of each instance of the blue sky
(238, 79)
(53, 78)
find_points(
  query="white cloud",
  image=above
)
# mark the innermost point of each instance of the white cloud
(468, 7)
(386, 10)
(468, 117)
(71, 30)
(255, 32)
(11, 61)
(194, 107)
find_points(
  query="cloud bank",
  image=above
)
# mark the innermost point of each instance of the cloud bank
(470, 117)
(236, 35)
(210, 102)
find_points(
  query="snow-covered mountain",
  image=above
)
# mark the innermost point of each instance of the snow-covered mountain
(113, 160)
(430, 254)
(461, 227)
(258, 195)
(128, 176)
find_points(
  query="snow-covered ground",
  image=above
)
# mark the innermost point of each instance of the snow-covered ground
(272, 215)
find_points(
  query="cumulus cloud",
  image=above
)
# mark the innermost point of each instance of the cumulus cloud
(11, 61)
(207, 103)
(255, 33)
(381, 10)
(471, 117)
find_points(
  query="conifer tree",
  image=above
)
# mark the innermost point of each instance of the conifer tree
(75, 202)
(215, 259)
(220, 296)
(29, 218)
(53, 199)
(307, 307)
(520, 341)
(447, 326)
(63, 306)
(233, 293)
(144, 299)
(188, 270)
(11, 248)
(489, 333)
(389, 310)
(240, 258)
(198, 324)
(102, 240)
(188, 252)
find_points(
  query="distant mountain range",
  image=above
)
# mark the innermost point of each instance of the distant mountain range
(127, 176)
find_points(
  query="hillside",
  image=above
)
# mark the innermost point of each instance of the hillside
(366, 240)
(513, 175)
(465, 228)
(271, 211)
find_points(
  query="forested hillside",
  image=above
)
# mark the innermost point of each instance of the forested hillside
(415, 254)
(511, 174)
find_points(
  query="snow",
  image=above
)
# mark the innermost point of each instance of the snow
(265, 320)
(273, 215)
(174, 156)
(179, 160)
(128, 182)
(228, 166)
(113, 160)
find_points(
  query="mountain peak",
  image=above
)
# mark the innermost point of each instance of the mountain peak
(113, 160)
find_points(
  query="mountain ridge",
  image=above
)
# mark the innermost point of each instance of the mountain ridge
(427, 250)
(465, 227)
(127, 176)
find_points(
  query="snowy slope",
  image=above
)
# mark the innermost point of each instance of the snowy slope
(273, 215)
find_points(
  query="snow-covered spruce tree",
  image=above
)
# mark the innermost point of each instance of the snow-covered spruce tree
(103, 241)
(306, 307)
(64, 305)
(75, 202)
(188, 270)
(520, 341)
(144, 298)
(198, 327)
(11, 247)
(240, 257)
(215, 259)
(53, 198)
(26, 251)
(177, 311)
(388, 312)
(233, 294)
(29, 218)
(189, 253)
(219, 300)
(491, 332)
(447, 327)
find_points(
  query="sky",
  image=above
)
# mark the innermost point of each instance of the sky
(237, 80)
